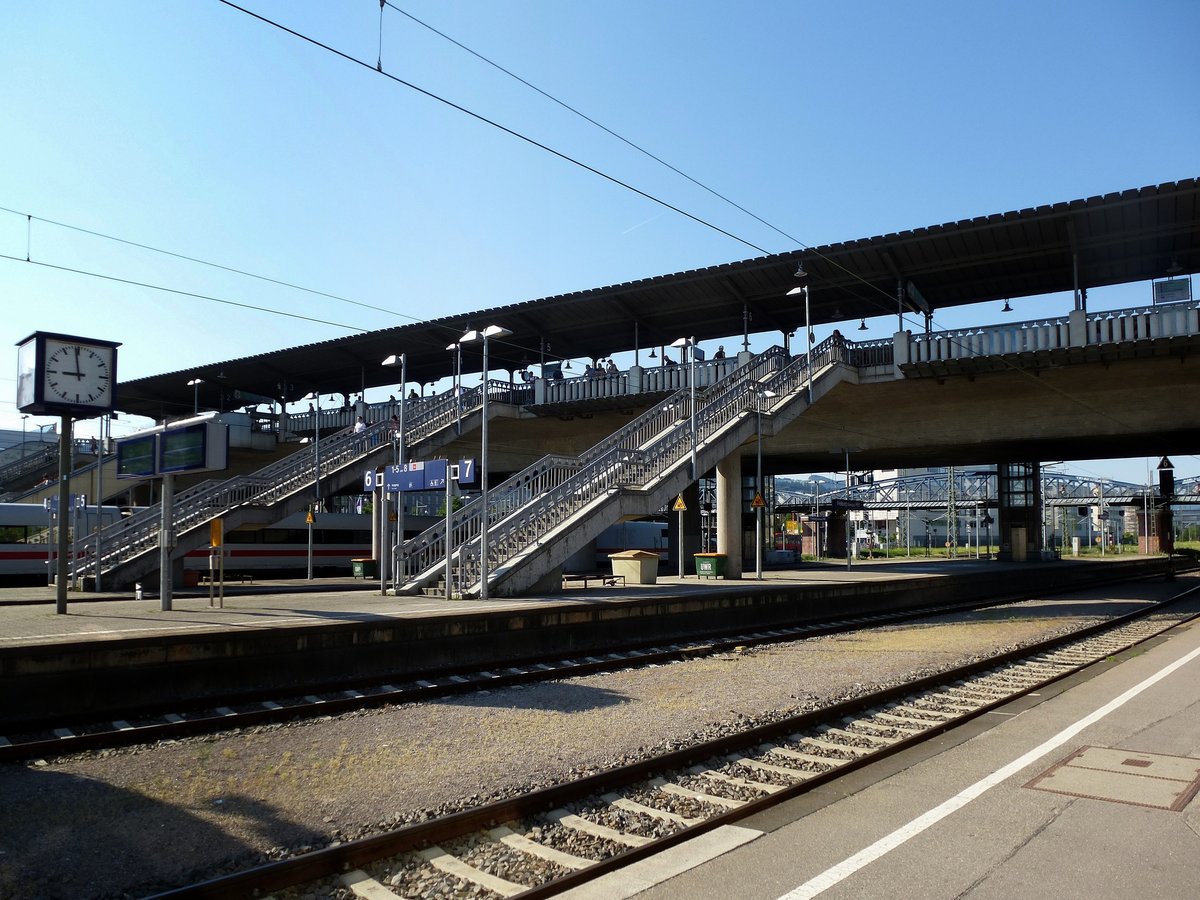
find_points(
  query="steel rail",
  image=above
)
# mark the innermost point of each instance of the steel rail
(334, 860)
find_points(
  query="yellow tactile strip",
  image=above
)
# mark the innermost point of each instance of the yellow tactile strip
(1124, 776)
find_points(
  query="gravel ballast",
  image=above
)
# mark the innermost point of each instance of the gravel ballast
(131, 821)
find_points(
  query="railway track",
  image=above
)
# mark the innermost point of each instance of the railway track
(556, 838)
(41, 739)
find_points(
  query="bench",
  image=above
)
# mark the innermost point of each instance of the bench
(241, 577)
(604, 579)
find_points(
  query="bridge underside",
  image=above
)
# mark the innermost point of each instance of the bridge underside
(1112, 409)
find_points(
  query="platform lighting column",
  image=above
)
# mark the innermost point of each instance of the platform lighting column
(847, 452)
(808, 335)
(104, 420)
(758, 487)
(1103, 521)
(194, 384)
(688, 345)
(908, 522)
(400, 359)
(315, 396)
(456, 382)
(1146, 511)
(491, 331)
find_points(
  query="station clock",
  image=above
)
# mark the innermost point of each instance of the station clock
(65, 374)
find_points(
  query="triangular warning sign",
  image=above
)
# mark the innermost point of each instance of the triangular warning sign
(679, 506)
(758, 503)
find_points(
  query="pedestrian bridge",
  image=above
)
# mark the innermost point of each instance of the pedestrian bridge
(1081, 386)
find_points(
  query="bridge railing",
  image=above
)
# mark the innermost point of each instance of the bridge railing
(138, 534)
(642, 466)
(427, 552)
(1077, 329)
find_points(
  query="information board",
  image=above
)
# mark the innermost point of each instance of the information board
(427, 475)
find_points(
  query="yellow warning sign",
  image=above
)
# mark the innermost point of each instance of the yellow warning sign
(309, 519)
(679, 506)
(758, 503)
(215, 532)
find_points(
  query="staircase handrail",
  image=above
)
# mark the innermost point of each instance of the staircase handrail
(211, 498)
(425, 553)
(639, 468)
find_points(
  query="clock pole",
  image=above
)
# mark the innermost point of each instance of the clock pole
(64, 482)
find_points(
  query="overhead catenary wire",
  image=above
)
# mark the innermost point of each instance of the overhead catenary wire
(494, 124)
(799, 243)
(513, 133)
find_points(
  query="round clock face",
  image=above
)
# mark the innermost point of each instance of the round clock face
(78, 374)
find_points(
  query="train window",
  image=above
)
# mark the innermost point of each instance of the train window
(14, 534)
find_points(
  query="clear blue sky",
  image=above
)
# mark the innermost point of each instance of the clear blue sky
(193, 127)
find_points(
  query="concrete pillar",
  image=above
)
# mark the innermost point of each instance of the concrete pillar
(1077, 327)
(900, 354)
(729, 513)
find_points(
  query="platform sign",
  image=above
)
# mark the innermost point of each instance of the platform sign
(425, 475)
(408, 476)
(435, 475)
(466, 471)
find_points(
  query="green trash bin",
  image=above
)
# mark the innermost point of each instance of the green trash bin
(710, 565)
(364, 568)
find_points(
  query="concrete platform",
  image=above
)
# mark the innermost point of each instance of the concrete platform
(1087, 791)
(110, 651)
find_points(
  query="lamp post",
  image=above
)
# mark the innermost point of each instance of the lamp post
(816, 489)
(800, 273)
(688, 345)
(456, 382)
(758, 487)
(315, 395)
(401, 360)
(491, 331)
(194, 384)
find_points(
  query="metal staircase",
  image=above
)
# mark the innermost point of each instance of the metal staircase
(129, 549)
(637, 470)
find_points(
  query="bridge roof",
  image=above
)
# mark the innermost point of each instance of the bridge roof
(1133, 235)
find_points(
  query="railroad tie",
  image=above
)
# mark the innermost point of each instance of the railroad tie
(595, 829)
(363, 885)
(508, 837)
(910, 722)
(833, 746)
(735, 781)
(452, 865)
(680, 791)
(787, 772)
(801, 756)
(635, 807)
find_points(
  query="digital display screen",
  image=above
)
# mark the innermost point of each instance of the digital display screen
(183, 449)
(135, 457)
